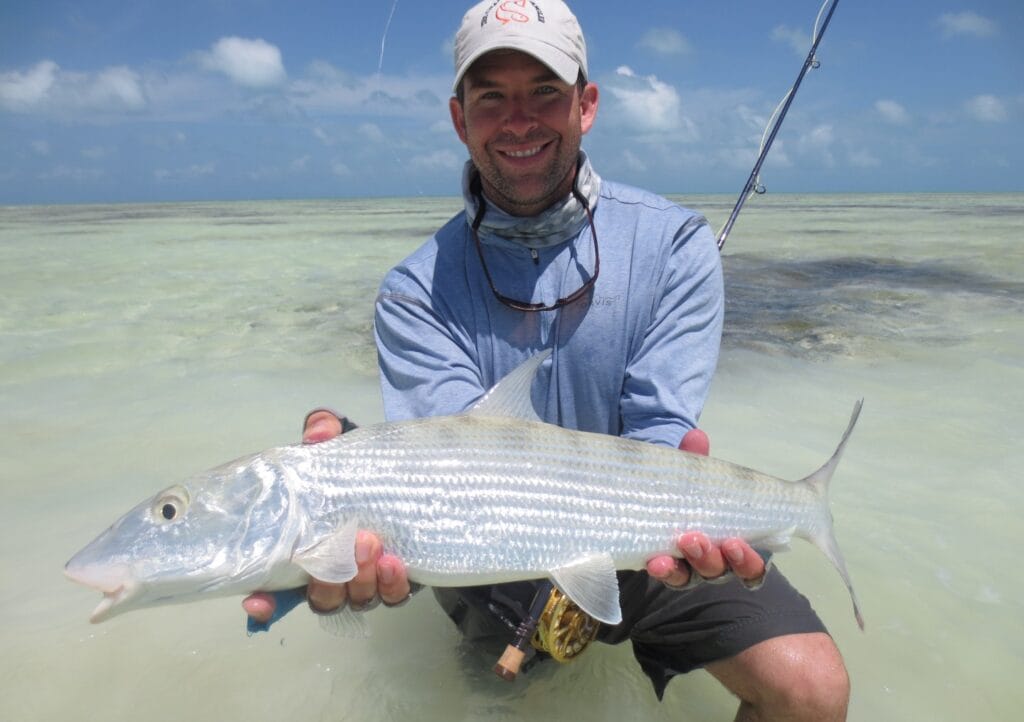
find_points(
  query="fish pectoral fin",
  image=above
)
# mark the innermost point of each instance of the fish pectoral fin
(333, 558)
(591, 583)
(774, 540)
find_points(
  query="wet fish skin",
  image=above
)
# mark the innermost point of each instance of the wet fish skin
(488, 496)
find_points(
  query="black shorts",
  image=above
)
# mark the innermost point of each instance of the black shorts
(672, 632)
(675, 632)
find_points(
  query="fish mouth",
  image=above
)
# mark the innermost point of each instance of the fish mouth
(112, 582)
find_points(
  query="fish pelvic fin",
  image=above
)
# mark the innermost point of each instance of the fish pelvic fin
(345, 623)
(591, 583)
(510, 397)
(824, 538)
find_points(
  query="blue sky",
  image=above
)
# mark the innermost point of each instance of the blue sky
(252, 99)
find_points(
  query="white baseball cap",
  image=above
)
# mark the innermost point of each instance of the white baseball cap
(545, 29)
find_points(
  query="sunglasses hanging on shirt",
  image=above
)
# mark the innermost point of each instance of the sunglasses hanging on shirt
(526, 305)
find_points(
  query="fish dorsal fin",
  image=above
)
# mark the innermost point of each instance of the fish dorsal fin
(333, 558)
(510, 397)
(591, 582)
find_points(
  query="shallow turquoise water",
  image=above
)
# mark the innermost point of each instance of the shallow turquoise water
(140, 343)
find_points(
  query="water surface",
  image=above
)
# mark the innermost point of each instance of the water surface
(140, 343)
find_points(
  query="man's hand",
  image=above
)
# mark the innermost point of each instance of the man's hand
(699, 554)
(378, 573)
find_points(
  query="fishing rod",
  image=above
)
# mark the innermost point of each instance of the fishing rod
(512, 658)
(775, 122)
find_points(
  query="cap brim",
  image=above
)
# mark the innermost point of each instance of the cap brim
(561, 64)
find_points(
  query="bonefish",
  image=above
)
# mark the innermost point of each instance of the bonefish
(487, 496)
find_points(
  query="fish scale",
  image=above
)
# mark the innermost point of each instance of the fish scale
(576, 495)
(491, 495)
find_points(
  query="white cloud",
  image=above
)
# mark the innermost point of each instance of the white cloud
(338, 168)
(633, 161)
(166, 141)
(448, 49)
(40, 147)
(892, 112)
(987, 108)
(645, 103)
(217, 84)
(665, 41)
(46, 87)
(442, 127)
(323, 136)
(251, 63)
(95, 152)
(118, 87)
(863, 159)
(798, 40)
(21, 91)
(196, 170)
(438, 160)
(325, 89)
(70, 173)
(818, 142)
(966, 23)
(372, 132)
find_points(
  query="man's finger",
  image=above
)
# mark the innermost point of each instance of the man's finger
(669, 570)
(260, 606)
(743, 560)
(392, 581)
(363, 586)
(696, 442)
(704, 557)
(324, 597)
(320, 426)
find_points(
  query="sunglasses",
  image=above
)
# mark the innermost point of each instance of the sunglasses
(525, 305)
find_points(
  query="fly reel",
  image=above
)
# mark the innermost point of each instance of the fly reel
(563, 630)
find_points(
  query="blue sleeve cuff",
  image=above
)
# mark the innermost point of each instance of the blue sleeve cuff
(285, 602)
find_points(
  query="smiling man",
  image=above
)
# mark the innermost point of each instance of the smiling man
(523, 126)
(626, 289)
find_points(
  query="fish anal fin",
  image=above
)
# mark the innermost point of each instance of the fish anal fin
(773, 540)
(333, 558)
(591, 583)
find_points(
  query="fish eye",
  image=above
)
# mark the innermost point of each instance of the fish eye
(170, 505)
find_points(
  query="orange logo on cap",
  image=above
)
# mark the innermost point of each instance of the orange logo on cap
(510, 12)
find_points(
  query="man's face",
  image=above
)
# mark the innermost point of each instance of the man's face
(522, 125)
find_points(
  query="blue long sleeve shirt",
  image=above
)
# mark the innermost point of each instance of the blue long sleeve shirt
(635, 358)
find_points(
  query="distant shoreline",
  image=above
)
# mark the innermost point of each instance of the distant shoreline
(457, 200)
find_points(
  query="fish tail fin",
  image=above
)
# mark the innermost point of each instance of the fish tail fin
(826, 542)
(825, 538)
(820, 479)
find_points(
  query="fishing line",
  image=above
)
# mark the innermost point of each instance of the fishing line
(754, 185)
(384, 37)
(399, 161)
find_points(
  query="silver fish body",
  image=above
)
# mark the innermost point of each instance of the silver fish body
(488, 496)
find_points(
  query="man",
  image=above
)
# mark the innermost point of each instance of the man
(626, 289)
